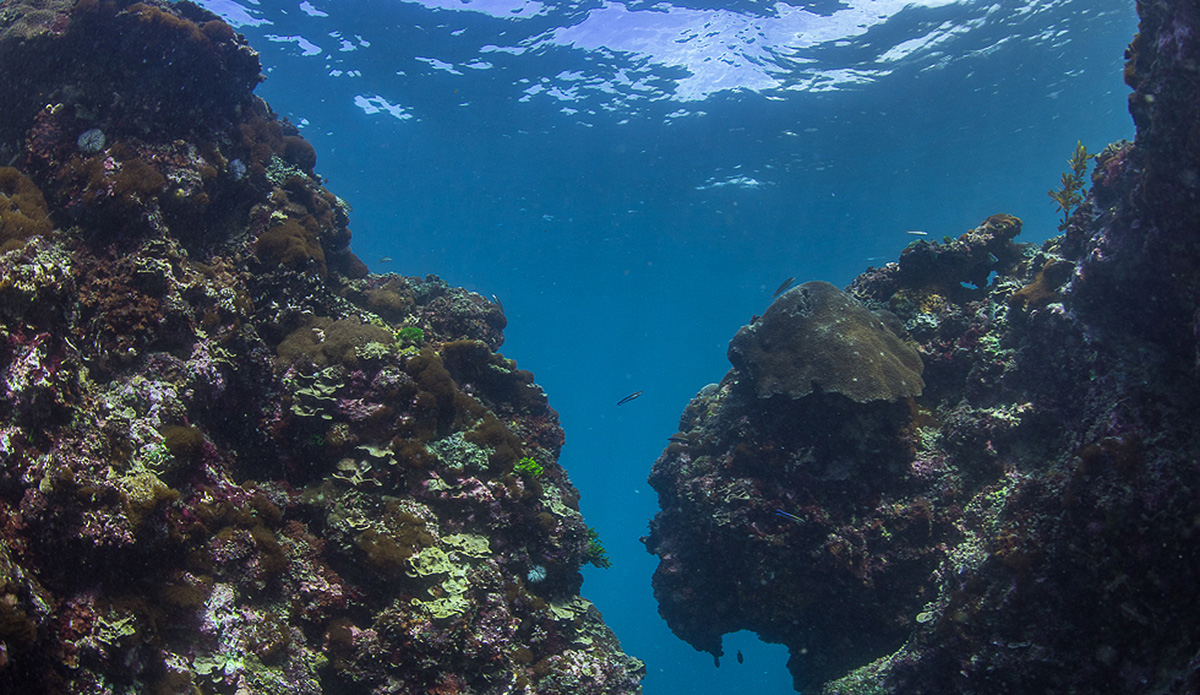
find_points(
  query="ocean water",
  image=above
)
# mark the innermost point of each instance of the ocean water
(634, 180)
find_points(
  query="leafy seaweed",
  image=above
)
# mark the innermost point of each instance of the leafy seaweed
(595, 552)
(528, 466)
(410, 335)
(1070, 196)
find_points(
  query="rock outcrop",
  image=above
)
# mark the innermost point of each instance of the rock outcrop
(231, 460)
(1027, 522)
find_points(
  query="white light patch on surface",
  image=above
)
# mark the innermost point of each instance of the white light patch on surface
(307, 48)
(728, 51)
(440, 65)
(503, 9)
(377, 104)
(234, 13)
(746, 182)
(308, 9)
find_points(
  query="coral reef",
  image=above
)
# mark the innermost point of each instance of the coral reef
(1026, 522)
(233, 461)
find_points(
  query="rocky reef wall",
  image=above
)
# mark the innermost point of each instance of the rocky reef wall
(1027, 521)
(231, 460)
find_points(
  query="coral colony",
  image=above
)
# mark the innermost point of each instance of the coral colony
(233, 461)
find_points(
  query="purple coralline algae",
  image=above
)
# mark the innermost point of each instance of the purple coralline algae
(231, 460)
(1026, 522)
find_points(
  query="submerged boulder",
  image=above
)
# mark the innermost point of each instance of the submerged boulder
(816, 337)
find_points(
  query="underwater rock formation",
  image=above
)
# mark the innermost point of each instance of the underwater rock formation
(816, 337)
(230, 459)
(1028, 521)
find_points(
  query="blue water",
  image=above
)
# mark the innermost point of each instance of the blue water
(634, 181)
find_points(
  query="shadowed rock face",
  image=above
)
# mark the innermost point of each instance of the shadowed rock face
(1027, 523)
(817, 337)
(793, 429)
(810, 422)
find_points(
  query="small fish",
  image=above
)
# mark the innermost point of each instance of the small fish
(496, 301)
(628, 398)
(678, 439)
(786, 284)
(385, 259)
(917, 232)
(741, 659)
(788, 515)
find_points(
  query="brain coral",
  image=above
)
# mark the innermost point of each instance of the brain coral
(817, 337)
(23, 211)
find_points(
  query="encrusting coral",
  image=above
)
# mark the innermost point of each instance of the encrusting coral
(232, 460)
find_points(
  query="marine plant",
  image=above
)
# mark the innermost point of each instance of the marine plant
(528, 465)
(1070, 195)
(410, 335)
(595, 552)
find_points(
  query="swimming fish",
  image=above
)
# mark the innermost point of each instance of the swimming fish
(786, 284)
(678, 439)
(917, 232)
(496, 301)
(741, 659)
(788, 515)
(628, 398)
(385, 259)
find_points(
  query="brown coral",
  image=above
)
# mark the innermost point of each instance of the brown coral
(291, 245)
(324, 341)
(1044, 288)
(23, 211)
(816, 337)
